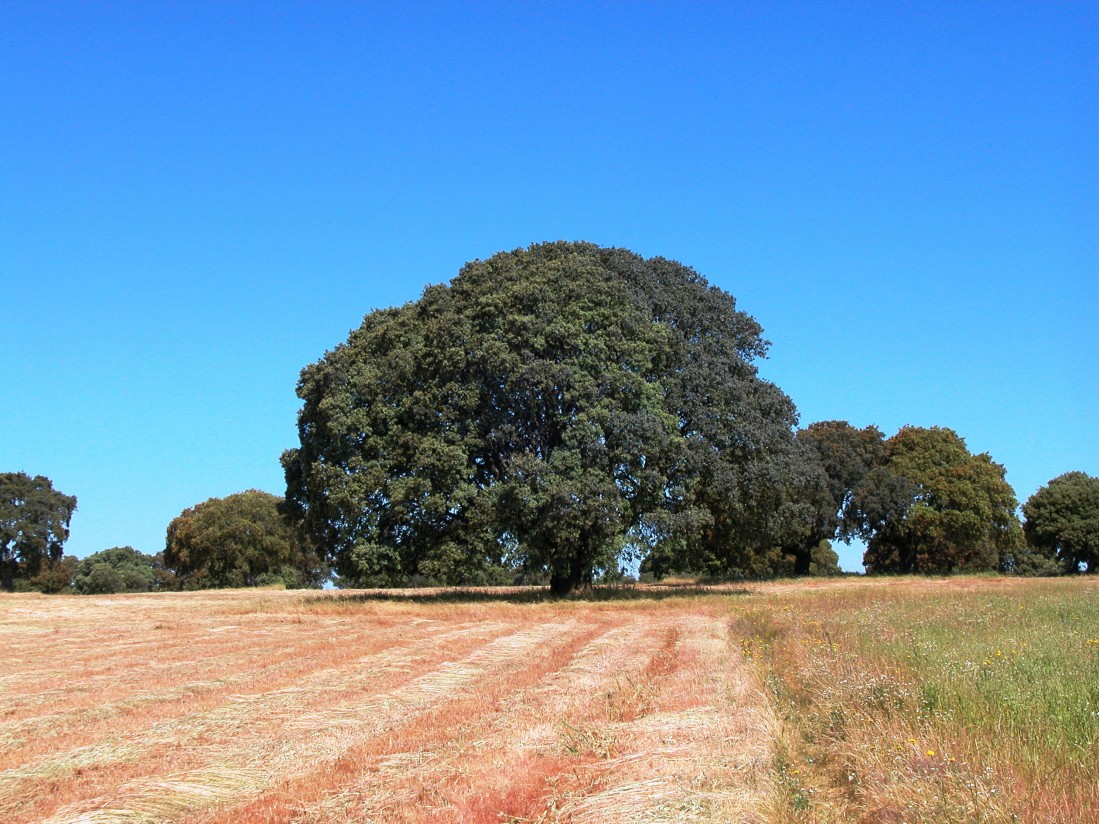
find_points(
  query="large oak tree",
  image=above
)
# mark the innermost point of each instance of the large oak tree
(550, 409)
(955, 513)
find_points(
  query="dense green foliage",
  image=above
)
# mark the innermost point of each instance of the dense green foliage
(1062, 521)
(960, 516)
(854, 483)
(34, 525)
(552, 409)
(237, 541)
(848, 457)
(921, 501)
(121, 569)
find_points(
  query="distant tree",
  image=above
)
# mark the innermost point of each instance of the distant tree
(235, 541)
(102, 579)
(34, 525)
(552, 409)
(1062, 521)
(850, 460)
(824, 561)
(53, 576)
(1026, 561)
(959, 517)
(756, 536)
(772, 536)
(119, 569)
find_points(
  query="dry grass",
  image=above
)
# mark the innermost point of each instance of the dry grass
(784, 702)
(281, 706)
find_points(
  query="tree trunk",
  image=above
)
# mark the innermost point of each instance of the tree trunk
(7, 576)
(570, 584)
(803, 558)
(578, 579)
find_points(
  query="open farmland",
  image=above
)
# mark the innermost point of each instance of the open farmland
(971, 699)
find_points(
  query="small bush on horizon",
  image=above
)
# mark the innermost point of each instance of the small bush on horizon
(120, 569)
(240, 540)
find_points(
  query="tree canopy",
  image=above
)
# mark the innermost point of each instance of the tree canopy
(552, 408)
(238, 541)
(34, 525)
(850, 460)
(959, 514)
(1062, 520)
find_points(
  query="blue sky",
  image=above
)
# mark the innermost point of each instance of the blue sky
(197, 200)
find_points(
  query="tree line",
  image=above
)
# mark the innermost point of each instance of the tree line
(560, 413)
(241, 540)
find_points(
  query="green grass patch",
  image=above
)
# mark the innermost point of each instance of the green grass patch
(930, 699)
(1022, 667)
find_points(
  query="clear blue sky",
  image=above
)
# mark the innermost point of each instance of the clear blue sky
(198, 199)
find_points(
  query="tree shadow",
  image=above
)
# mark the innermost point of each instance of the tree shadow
(536, 594)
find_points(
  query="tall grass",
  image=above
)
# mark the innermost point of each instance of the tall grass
(967, 700)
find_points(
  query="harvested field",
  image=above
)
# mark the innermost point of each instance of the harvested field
(279, 706)
(903, 700)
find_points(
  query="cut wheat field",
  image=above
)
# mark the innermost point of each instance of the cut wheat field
(841, 701)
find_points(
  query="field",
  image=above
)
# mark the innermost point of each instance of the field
(972, 699)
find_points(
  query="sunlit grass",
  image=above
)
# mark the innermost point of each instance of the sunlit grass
(972, 699)
(1020, 666)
